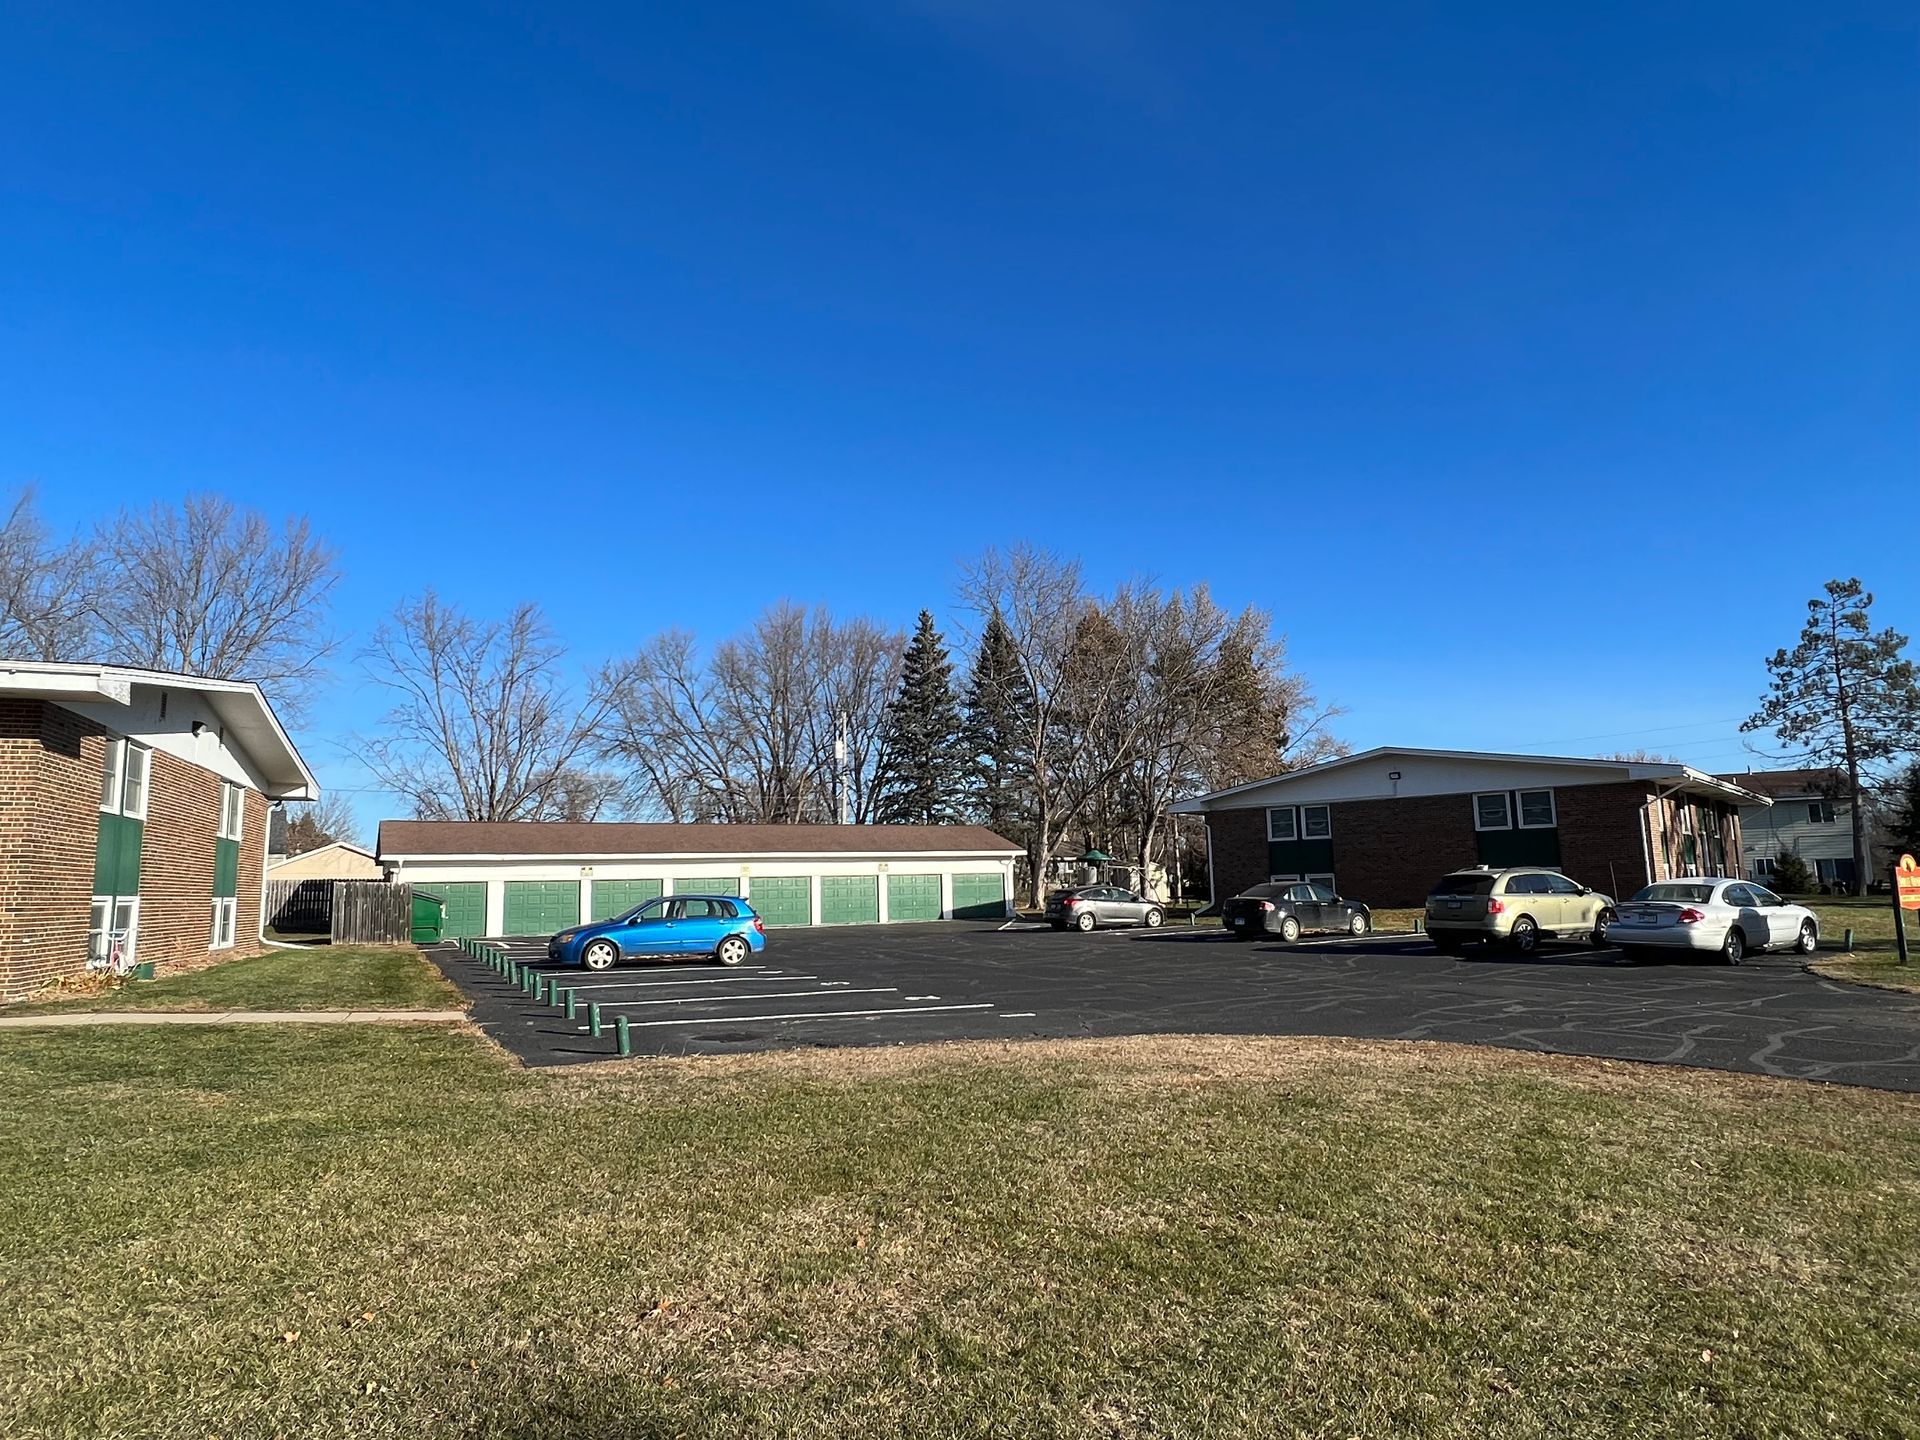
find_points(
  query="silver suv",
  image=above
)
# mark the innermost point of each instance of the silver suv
(1518, 907)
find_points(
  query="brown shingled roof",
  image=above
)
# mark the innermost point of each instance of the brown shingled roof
(1777, 783)
(529, 837)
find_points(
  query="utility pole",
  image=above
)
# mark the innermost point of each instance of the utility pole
(840, 773)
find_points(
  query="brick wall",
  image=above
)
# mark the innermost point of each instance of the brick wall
(1600, 838)
(1237, 842)
(50, 763)
(1389, 852)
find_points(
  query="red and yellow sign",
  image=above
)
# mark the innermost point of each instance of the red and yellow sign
(1906, 877)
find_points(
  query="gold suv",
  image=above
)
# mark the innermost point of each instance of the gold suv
(1519, 907)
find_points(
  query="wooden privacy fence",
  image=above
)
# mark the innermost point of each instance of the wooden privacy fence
(300, 907)
(352, 912)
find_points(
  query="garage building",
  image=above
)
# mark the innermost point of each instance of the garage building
(533, 878)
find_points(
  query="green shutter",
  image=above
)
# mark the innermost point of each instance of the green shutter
(913, 897)
(226, 869)
(466, 902)
(1299, 857)
(540, 907)
(783, 899)
(849, 899)
(116, 856)
(706, 884)
(979, 897)
(608, 898)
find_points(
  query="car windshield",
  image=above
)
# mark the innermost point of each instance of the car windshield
(1677, 894)
(1260, 892)
(1464, 885)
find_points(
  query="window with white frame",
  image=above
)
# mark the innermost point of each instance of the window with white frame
(1316, 822)
(1820, 812)
(113, 927)
(125, 774)
(1536, 810)
(1492, 811)
(1763, 867)
(223, 916)
(231, 811)
(1327, 881)
(1282, 824)
(112, 771)
(1281, 879)
(133, 789)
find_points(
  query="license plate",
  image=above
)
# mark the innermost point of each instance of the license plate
(1239, 919)
(1453, 904)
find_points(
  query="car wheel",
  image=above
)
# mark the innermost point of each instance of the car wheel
(1606, 918)
(1809, 940)
(1734, 947)
(1289, 928)
(600, 955)
(1084, 921)
(1526, 935)
(1359, 925)
(1152, 919)
(731, 951)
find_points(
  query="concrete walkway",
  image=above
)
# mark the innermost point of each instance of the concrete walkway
(233, 1017)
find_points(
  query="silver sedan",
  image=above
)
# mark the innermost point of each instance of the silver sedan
(1092, 906)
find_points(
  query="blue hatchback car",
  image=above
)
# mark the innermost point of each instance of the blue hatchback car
(722, 928)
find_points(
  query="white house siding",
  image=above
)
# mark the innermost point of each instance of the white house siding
(1366, 779)
(495, 873)
(140, 720)
(1783, 828)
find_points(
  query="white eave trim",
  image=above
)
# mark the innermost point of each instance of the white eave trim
(1625, 769)
(240, 703)
(651, 856)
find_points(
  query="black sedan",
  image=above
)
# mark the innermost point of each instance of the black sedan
(1287, 907)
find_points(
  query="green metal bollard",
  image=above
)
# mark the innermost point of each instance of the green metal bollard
(623, 1036)
(593, 1020)
(1849, 942)
(573, 1004)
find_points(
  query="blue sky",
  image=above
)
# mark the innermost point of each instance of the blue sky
(1451, 334)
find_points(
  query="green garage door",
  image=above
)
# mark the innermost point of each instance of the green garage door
(979, 897)
(783, 899)
(849, 899)
(466, 906)
(706, 884)
(540, 907)
(608, 898)
(913, 897)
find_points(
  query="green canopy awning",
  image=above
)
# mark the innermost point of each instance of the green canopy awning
(1096, 857)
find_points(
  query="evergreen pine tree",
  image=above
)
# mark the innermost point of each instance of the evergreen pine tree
(924, 771)
(999, 728)
(1902, 835)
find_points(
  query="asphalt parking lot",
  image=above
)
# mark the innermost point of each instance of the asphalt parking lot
(892, 985)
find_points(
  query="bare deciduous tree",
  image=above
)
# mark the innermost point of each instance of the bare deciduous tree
(748, 735)
(49, 592)
(327, 821)
(211, 589)
(483, 726)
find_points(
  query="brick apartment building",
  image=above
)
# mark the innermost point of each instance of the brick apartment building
(133, 816)
(1383, 825)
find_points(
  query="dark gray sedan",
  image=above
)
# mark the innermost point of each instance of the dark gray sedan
(1092, 906)
(1287, 907)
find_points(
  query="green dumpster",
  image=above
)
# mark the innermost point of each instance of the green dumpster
(429, 918)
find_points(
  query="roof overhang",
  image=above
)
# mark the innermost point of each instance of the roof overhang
(242, 708)
(452, 857)
(1671, 777)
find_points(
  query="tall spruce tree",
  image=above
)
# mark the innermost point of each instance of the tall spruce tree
(1844, 697)
(999, 724)
(924, 770)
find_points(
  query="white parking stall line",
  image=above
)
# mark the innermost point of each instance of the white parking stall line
(1016, 1014)
(923, 997)
(805, 1015)
(756, 995)
(713, 980)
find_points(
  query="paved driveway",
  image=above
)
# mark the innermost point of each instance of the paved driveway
(894, 985)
